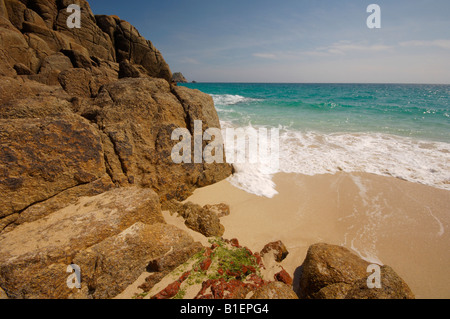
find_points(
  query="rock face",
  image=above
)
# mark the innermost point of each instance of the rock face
(40, 158)
(178, 77)
(83, 112)
(37, 268)
(67, 119)
(138, 155)
(130, 45)
(33, 30)
(115, 263)
(334, 272)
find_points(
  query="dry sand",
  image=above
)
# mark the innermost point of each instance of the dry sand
(383, 219)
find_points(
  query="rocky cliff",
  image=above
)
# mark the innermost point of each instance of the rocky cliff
(67, 120)
(33, 33)
(87, 113)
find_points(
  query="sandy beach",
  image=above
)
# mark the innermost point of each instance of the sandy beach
(384, 219)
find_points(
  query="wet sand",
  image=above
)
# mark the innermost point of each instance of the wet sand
(383, 219)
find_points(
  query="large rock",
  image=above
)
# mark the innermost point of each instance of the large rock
(32, 30)
(57, 202)
(34, 256)
(40, 158)
(137, 117)
(115, 263)
(130, 45)
(34, 38)
(334, 272)
(197, 106)
(69, 128)
(392, 287)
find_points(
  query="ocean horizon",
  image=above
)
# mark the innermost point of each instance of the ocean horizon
(398, 130)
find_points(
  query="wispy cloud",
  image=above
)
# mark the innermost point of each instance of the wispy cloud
(346, 47)
(265, 55)
(189, 61)
(443, 44)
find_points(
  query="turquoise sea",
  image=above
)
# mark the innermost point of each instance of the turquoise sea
(387, 129)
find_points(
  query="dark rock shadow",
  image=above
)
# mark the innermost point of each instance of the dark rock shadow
(296, 280)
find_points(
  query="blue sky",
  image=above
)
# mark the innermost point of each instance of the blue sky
(295, 40)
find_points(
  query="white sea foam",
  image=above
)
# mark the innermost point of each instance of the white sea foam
(312, 153)
(253, 171)
(254, 179)
(229, 99)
